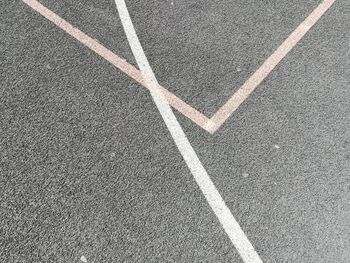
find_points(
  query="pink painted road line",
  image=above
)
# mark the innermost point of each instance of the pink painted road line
(118, 62)
(249, 86)
(214, 123)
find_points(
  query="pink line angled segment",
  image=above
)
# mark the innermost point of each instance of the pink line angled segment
(214, 123)
(249, 86)
(118, 62)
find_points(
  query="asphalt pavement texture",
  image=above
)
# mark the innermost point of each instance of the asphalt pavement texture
(88, 167)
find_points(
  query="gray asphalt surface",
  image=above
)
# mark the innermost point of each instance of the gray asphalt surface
(88, 167)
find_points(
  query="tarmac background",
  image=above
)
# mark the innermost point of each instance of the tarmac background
(89, 168)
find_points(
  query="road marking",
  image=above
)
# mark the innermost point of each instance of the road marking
(249, 86)
(117, 61)
(230, 225)
(215, 122)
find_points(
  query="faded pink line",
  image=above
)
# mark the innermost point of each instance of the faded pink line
(214, 123)
(249, 86)
(118, 62)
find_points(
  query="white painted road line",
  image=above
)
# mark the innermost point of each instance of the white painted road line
(229, 223)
